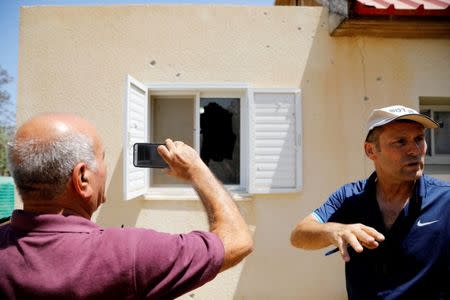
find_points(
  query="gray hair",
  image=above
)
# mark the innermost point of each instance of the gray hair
(43, 168)
(374, 137)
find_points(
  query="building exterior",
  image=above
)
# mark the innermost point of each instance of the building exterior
(299, 98)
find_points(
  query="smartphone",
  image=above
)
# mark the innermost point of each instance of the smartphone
(145, 155)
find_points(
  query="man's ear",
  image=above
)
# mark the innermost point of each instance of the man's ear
(81, 180)
(369, 148)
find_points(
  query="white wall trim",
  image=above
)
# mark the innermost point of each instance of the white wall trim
(196, 86)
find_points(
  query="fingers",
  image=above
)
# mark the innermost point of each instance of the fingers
(375, 234)
(170, 144)
(354, 242)
(182, 159)
(164, 150)
(343, 250)
(169, 151)
(365, 239)
(369, 237)
(357, 236)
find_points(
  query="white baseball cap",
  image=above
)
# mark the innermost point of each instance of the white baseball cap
(385, 115)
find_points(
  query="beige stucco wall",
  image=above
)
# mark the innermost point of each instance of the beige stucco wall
(76, 59)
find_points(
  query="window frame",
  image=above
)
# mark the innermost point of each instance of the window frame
(435, 159)
(199, 91)
(278, 110)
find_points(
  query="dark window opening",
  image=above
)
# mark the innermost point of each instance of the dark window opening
(220, 137)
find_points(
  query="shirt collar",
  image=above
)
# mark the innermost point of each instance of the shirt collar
(371, 183)
(419, 189)
(26, 221)
(420, 184)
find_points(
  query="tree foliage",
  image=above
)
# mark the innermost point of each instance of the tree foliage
(6, 117)
(6, 133)
(6, 111)
(4, 79)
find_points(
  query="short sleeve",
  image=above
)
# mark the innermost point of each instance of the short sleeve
(169, 265)
(325, 212)
(338, 207)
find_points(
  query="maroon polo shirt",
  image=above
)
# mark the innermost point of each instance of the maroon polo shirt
(68, 257)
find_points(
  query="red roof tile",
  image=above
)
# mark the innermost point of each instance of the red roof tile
(407, 4)
(412, 8)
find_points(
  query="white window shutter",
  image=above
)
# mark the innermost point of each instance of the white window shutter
(275, 141)
(136, 180)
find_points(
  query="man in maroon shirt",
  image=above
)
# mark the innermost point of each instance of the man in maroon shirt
(51, 249)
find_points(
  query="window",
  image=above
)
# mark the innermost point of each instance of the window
(213, 129)
(249, 138)
(220, 137)
(438, 140)
(170, 117)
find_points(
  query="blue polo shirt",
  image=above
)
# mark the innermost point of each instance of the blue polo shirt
(414, 260)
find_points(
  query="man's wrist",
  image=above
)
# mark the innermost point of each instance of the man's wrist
(199, 171)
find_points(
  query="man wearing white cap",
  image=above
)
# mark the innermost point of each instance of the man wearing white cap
(393, 228)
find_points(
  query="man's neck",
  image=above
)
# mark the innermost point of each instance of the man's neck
(394, 191)
(40, 207)
(392, 198)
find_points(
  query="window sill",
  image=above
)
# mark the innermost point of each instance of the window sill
(437, 160)
(435, 169)
(187, 194)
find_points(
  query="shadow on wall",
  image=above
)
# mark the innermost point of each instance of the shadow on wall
(116, 212)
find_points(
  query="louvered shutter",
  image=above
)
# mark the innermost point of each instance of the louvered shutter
(136, 180)
(275, 141)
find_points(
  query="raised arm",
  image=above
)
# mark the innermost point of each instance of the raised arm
(310, 234)
(224, 217)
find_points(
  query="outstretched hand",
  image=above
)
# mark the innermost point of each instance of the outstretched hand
(356, 236)
(183, 161)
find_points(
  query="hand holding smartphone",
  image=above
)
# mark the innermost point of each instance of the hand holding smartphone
(145, 155)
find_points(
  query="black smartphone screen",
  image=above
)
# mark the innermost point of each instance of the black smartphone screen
(145, 155)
